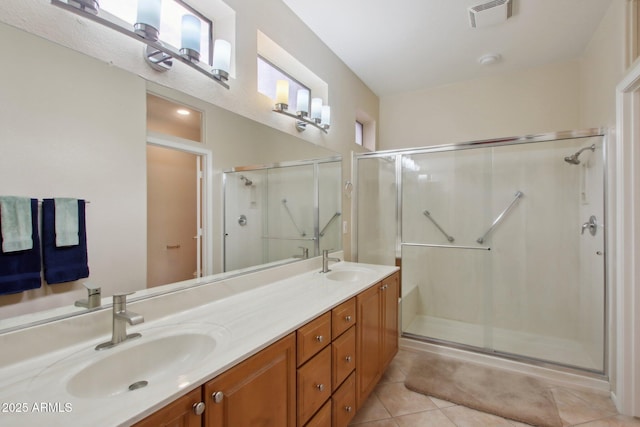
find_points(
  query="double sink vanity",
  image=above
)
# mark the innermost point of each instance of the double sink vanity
(288, 346)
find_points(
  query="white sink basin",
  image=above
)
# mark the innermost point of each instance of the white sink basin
(348, 275)
(162, 356)
(160, 359)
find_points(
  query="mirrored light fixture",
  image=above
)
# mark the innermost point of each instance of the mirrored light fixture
(148, 19)
(157, 54)
(302, 107)
(302, 103)
(190, 36)
(221, 59)
(91, 6)
(282, 95)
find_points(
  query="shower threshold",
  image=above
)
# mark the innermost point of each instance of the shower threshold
(515, 345)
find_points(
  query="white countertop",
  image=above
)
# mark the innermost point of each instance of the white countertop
(34, 391)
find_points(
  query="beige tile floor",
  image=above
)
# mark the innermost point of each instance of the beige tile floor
(392, 405)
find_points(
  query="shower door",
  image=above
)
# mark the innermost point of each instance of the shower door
(502, 246)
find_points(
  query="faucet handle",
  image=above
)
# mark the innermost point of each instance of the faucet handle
(121, 298)
(91, 288)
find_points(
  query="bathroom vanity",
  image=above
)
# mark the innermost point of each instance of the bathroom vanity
(288, 346)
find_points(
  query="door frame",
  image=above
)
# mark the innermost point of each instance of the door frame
(206, 201)
(626, 271)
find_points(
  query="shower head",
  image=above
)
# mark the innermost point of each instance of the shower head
(574, 160)
(246, 180)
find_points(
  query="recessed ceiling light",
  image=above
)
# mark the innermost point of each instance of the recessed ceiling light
(183, 112)
(489, 59)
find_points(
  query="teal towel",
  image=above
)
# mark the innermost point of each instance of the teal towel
(66, 216)
(17, 229)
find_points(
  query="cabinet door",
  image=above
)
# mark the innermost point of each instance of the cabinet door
(368, 342)
(261, 391)
(179, 413)
(390, 290)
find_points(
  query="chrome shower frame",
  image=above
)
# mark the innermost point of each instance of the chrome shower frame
(398, 154)
(316, 196)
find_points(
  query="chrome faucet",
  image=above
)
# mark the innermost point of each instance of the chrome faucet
(94, 297)
(121, 316)
(326, 259)
(305, 253)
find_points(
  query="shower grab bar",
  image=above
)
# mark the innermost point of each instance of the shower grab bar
(286, 207)
(500, 217)
(428, 215)
(335, 215)
(306, 239)
(429, 245)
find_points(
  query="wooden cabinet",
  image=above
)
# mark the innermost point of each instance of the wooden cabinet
(313, 337)
(182, 412)
(344, 402)
(343, 317)
(390, 295)
(343, 356)
(322, 418)
(376, 334)
(261, 391)
(314, 385)
(315, 377)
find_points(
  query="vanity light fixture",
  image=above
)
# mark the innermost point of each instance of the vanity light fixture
(147, 23)
(190, 38)
(91, 6)
(302, 116)
(158, 55)
(221, 59)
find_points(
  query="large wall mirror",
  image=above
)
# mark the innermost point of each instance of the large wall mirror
(80, 128)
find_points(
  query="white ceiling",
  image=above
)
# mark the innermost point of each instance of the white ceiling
(405, 45)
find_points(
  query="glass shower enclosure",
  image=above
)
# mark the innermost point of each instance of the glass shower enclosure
(281, 212)
(501, 243)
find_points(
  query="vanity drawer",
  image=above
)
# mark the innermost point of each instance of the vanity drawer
(343, 402)
(322, 418)
(313, 337)
(343, 317)
(343, 353)
(314, 385)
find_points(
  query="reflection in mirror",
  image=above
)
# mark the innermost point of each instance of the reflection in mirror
(80, 131)
(281, 212)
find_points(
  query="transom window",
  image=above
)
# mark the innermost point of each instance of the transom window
(170, 24)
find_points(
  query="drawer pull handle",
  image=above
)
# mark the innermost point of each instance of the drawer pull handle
(347, 318)
(348, 359)
(198, 408)
(320, 387)
(319, 338)
(218, 396)
(347, 408)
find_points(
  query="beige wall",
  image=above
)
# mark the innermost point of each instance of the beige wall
(542, 99)
(73, 138)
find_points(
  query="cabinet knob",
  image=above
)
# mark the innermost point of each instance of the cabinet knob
(320, 387)
(348, 359)
(198, 408)
(319, 338)
(347, 408)
(218, 396)
(347, 318)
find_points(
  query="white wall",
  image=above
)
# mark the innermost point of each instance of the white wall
(70, 139)
(542, 99)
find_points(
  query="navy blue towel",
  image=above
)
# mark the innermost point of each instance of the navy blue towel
(20, 271)
(68, 263)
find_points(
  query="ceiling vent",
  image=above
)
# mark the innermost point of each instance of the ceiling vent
(491, 13)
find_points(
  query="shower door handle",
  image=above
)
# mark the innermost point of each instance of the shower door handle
(592, 225)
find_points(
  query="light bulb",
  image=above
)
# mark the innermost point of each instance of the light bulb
(302, 104)
(190, 37)
(221, 59)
